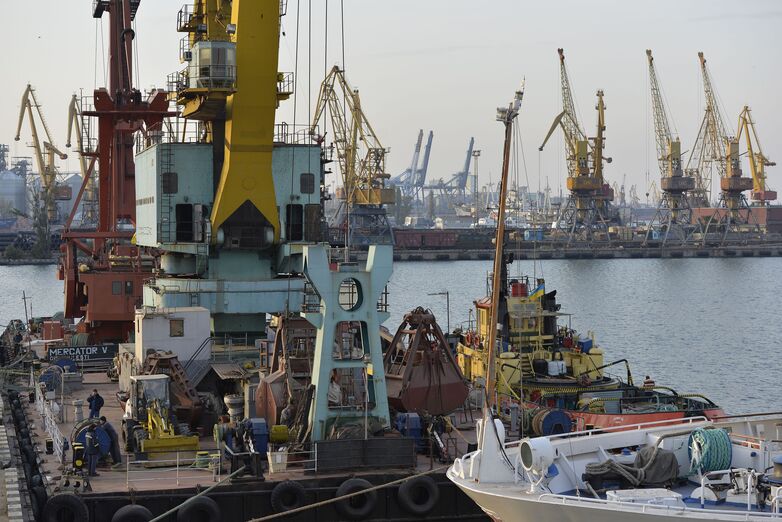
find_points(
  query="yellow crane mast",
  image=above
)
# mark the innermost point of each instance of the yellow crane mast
(757, 160)
(45, 151)
(362, 162)
(90, 199)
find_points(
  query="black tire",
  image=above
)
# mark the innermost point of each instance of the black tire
(132, 513)
(418, 496)
(200, 509)
(358, 507)
(288, 495)
(39, 497)
(65, 507)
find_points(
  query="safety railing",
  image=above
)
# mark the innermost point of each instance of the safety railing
(181, 468)
(59, 442)
(283, 460)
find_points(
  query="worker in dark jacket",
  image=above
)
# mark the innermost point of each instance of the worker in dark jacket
(92, 451)
(96, 403)
(116, 455)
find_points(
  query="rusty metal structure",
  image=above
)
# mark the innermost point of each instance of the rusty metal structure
(106, 286)
(422, 375)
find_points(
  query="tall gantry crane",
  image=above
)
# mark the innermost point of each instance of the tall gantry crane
(716, 150)
(45, 153)
(674, 215)
(362, 162)
(587, 210)
(757, 160)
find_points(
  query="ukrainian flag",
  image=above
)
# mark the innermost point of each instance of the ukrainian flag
(538, 292)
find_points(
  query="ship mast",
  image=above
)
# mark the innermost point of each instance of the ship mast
(505, 115)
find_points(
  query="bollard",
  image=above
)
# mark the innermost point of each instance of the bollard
(78, 410)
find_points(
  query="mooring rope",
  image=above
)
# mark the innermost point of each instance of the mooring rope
(710, 450)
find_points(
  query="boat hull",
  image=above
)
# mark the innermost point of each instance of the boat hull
(507, 503)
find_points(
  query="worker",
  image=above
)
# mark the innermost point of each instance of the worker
(116, 455)
(335, 391)
(288, 413)
(96, 403)
(92, 450)
(648, 383)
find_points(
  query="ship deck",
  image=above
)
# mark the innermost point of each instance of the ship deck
(135, 476)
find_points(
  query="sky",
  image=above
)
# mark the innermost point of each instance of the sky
(446, 65)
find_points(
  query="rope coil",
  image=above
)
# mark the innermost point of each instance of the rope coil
(709, 450)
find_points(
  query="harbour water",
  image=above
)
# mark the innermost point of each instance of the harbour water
(697, 325)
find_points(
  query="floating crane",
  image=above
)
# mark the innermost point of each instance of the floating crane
(586, 210)
(716, 150)
(362, 161)
(46, 153)
(757, 160)
(673, 217)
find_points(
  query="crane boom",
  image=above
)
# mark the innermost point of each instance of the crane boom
(667, 146)
(757, 160)
(570, 125)
(420, 175)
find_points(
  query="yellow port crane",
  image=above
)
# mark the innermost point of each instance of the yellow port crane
(586, 209)
(362, 163)
(45, 152)
(716, 150)
(757, 160)
(87, 168)
(674, 215)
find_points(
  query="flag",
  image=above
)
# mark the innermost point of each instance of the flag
(538, 292)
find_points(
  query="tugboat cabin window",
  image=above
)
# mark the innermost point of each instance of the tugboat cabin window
(294, 222)
(176, 328)
(128, 287)
(116, 288)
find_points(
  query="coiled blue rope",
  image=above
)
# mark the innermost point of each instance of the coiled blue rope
(709, 450)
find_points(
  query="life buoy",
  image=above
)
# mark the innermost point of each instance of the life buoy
(468, 338)
(360, 506)
(418, 496)
(288, 495)
(65, 506)
(199, 509)
(132, 513)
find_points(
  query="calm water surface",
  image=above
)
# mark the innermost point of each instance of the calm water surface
(699, 325)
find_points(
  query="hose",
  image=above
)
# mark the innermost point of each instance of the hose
(710, 450)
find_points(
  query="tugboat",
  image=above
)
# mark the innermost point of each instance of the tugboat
(555, 376)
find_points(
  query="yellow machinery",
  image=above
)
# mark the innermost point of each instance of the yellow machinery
(362, 162)
(156, 433)
(90, 198)
(757, 160)
(45, 153)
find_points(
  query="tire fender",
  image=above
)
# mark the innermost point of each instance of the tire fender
(65, 506)
(418, 496)
(288, 495)
(132, 513)
(358, 507)
(200, 509)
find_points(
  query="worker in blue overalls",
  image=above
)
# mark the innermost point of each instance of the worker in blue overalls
(92, 450)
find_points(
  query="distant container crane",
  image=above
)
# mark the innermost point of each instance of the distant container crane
(673, 218)
(454, 191)
(412, 181)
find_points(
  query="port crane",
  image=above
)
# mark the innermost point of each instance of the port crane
(361, 218)
(45, 153)
(758, 161)
(586, 211)
(411, 182)
(673, 218)
(454, 191)
(104, 286)
(716, 150)
(76, 122)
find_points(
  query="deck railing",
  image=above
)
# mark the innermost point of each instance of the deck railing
(183, 467)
